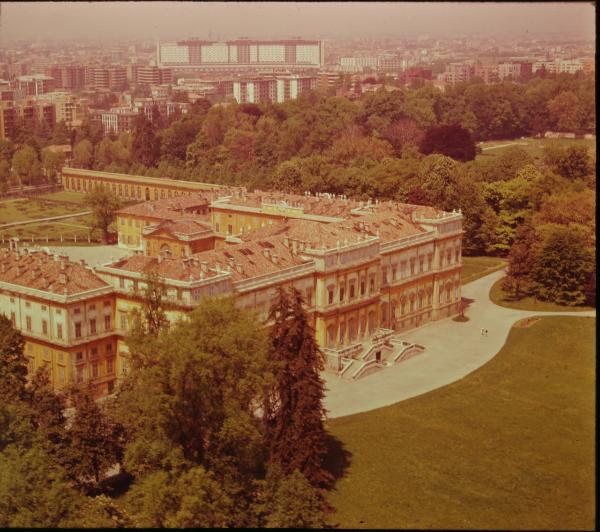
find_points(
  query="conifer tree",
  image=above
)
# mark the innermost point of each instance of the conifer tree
(13, 364)
(295, 411)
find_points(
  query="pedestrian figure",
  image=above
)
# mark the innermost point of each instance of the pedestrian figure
(482, 331)
(486, 332)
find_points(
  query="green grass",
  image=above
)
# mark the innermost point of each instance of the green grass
(474, 268)
(30, 209)
(65, 196)
(501, 298)
(534, 147)
(510, 446)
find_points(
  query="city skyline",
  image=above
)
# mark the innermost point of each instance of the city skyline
(220, 20)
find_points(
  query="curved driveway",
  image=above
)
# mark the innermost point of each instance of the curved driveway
(452, 350)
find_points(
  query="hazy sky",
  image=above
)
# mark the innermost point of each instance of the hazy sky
(286, 19)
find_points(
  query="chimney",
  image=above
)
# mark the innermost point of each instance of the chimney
(239, 268)
(82, 262)
(62, 278)
(294, 246)
(19, 270)
(286, 242)
(266, 252)
(274, 258)
(218, 266)
(204, 266)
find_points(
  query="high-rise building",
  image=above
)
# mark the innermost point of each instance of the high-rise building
(8, 119)
(70, 77)
(35, 84)
(152, 75)
(112, 78)
(241, 54)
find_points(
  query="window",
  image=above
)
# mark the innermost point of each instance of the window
(449, 256)
(412, 266)
(421, 264)
(456, 254)
(59, 330)
(13, 319)
(77, 310)
(352, 289)
(121, 282)
(78, 330)
(342, 293)
(309, 296)
(95, 369)
(94, 351)
(92, 307)
(27, 304)
(79, 356)
(59, 311)
(123, 318)
(429, 261)
(61, 374)
(217, 228)
(394, 272)
(384, 276)
(110, 386)
(330, 295)
(107, 323)
(229, 229)
(28, 323)
(403, 268)
(107, 304)
(12, 299)
(44, 307)
(122, 221)
(108, 349)
(362, 286)
(92, 326)
(371, 284)
(110, 365)
(80, 370)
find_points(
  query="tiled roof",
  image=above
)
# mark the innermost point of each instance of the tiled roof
(251, 259)
(169, 207)
(183, 226)
(170, 268)
(46, 272)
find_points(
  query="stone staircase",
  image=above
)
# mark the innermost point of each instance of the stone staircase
(364, 358)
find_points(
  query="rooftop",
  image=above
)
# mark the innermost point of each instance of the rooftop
(50, 273)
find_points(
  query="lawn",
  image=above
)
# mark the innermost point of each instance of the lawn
(65, 197)
(30, 209)
(476, 267)
(510, 446)
(535, 147)
(501, 298)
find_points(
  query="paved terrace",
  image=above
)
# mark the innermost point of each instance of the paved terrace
(452, 351)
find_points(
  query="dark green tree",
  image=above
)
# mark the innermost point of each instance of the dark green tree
(520, 261)
(13, 363)
(453, 141)
(145, 148)
(294, 411)
(562, 267)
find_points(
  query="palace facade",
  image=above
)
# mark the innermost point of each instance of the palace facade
(368, 271)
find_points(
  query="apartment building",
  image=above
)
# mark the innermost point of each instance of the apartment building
(35, 84)
(112, 78)
(153, 75)
(70, 77)
(70, 109)
(8, 119)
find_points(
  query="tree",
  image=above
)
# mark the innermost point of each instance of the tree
(52, 162)
(571, 162)
(294, 410)
(288, 177)
(145, 148)
(295, 504)
(180, 499)
(95, 440)
(453, 141)
(83, 154)
(208, 374)
(104, 204)
(562, 267)
(24, 164)
(13, 363)
(438, 174)
(520, 260)
(564, 111)
(61, 133)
